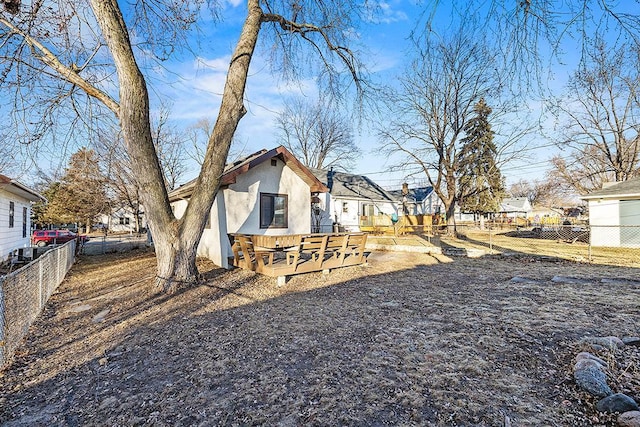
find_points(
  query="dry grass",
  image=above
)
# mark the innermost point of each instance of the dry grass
(558, 248)
(407, 340)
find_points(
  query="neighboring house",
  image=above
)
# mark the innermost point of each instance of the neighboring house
(541, 215)
(349, 198)
(614, 214)
(268, 192)
(15, 216)
(516, 207)
(123, 220)
(418, 201)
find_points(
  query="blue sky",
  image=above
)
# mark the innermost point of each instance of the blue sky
(193, 86)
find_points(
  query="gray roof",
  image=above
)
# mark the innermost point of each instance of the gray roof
(515, 204)
(14, 187)
(346, 185)
(629, 188)
(415, 194)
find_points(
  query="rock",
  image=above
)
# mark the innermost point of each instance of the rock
(519, 279)
(475, 253)
(635, 341)
(621, 281)
(586, 364)
(629, 419)
(609, 342)
(572, 280)
(588, 356)
(390, 304)
(108, 402)
(79, 308)
(617, 403)
(592, 380)
(101, 316)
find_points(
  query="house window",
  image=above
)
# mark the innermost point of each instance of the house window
(12, 208)
(368, 210)
(24, 222)
(124, 220)
(274, 210)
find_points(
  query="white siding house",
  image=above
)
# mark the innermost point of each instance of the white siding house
(350, 197)
(123, 220)
(614, 214)
(268, 192)
(516, 207)
(418, 201)
(15, 216)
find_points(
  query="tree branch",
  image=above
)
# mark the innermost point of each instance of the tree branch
(67, 73)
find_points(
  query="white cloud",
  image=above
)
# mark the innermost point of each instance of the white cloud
(387, 13)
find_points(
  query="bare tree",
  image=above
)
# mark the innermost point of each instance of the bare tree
(7, 158)
(318, 134)
(601, 116)
(169, 143)
(121, 184)
(84, 68)
(197, 139)
(434, 104)
(549, 192)
(198, 136)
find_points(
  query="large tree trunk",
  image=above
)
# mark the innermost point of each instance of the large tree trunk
(175, 241)
(450, 207)
(176, 263)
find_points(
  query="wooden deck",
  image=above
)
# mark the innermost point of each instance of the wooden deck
(282, 256)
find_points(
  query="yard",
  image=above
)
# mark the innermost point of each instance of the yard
(407, 340)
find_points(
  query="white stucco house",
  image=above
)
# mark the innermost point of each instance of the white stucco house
(268, 192)
(15, 216)
(614, 214)
(349, 197)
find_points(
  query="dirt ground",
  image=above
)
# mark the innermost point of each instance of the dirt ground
(407, 340)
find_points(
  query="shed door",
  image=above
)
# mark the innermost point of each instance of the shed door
(629, 223)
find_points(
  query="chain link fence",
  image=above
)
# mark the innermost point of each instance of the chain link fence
(613, 244)
(24, 293)
(100, 245)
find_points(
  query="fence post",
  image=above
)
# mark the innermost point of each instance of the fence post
(3, 342)
(589, 258)
(40, 283)
(490, 241)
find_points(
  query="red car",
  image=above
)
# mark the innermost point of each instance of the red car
(47, 237)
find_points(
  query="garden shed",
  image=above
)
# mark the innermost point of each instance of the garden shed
(614, 214)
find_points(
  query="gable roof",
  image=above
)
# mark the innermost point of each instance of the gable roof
(515, 204)
(415, 194)
(351, 186)
(233, 170)
(629, 188)
(14, 187)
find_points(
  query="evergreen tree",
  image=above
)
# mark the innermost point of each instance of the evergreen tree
(481, 184)
(80, 195)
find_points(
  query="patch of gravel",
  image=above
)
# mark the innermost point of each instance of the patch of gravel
(407, 340)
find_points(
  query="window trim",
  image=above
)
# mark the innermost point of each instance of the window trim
(273, 197)
(12, 214)
(25, 212)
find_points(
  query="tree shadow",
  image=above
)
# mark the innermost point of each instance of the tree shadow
(357, 347)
